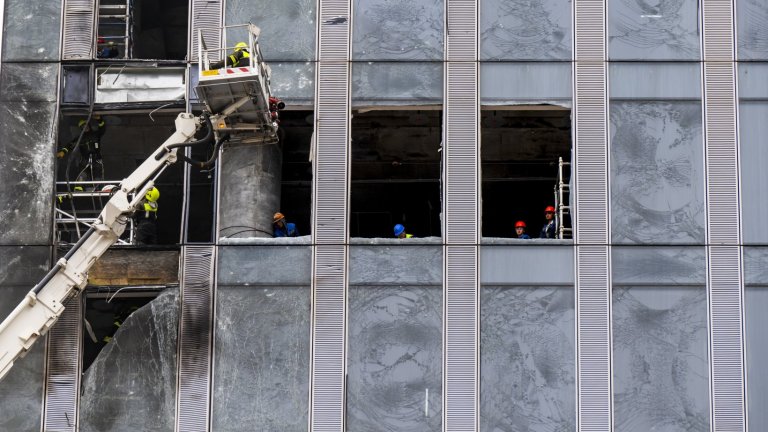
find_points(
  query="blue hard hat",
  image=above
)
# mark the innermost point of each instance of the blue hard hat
(399, 229)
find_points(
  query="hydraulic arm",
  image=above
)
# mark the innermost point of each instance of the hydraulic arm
(43, 305)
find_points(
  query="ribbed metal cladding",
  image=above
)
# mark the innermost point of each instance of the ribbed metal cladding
(205, 14)
(461, 219)
(62, 383)
(79, 19)
(593, 284)
(724, 271)
(330, 224)
(194, 346)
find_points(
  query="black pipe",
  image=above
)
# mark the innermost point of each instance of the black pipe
(57, 267)
(205, 140)
(209, 162)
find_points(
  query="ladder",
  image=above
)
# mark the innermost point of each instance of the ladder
(116, 25)
(562, 198)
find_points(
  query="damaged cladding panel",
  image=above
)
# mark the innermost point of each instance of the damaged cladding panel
(755, 323)
(132, 383)
(527, 338)
(525, 30)
(21, 391)
(31, 30)
(288, 29)
(660, 339)
(657, 154)
(397, 83)
(394, 372)
(752, 24)
(403, 30)
(28, 120)
(262, 332)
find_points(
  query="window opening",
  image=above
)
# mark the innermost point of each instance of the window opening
(396, 173)
(526, 155)
(112, 147)
(142, 29)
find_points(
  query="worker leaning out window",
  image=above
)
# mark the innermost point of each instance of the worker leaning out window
(239, 57)
(400, 233)
(281, 228)
(548, 230)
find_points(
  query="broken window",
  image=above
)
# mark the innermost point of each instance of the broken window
(526, 149)
(396, 135)
(142, 29)
(114, 146)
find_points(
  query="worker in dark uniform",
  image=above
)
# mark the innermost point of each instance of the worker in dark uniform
(109, 51)
(281, 228)
(146, 218)
(239, 57)
(520, 230)
(549, 230)
(89, 164)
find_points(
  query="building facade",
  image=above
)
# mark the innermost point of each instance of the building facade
(648, 318)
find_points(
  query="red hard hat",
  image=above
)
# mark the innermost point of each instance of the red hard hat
(549, 209)
(519, 224)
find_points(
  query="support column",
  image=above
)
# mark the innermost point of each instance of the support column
(592, 228)
(461, 321)
(724, 256)
(330, 225)
(250, 189)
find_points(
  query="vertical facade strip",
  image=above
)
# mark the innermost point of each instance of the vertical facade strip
(461, 218)
(78, 29)
(724, 258)
(592, 234)
(62, 381)
(206, 15)
(195, 339)
(330, 218)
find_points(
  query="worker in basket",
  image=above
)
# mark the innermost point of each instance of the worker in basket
(239, 57)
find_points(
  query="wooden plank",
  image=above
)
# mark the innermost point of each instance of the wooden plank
(125, 267)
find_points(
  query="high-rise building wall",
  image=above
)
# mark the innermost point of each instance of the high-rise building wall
(648, 318)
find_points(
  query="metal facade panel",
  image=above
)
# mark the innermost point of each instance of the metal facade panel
(330, 217)
(593, 326)
(205, 14)
(329, 284)
(79, 19)
(718, 30)
(462, 152)
(461, 29)
(331, 155)
(725, 263)
(726, 337)
(62, 383)
(461, 338)
(589, 29)
(195, 330)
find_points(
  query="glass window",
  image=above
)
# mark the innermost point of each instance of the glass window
(657, 154)
(525, 83)
(31, 30)
(527, 338)
(525, 30)
(394, 373)
(660, 339)
(756, 321)
(288, 27)
(131, 383)
(398, 30)
(753, 111)
(21, 391)
(752, 22)
(653, 30)
(396, 84)
(262, 331)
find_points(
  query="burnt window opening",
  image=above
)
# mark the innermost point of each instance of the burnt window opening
(395, 173)
(142, 29)
(105, 313)
(86, 172)
(521, 176)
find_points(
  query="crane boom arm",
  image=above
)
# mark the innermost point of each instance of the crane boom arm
(44, 304)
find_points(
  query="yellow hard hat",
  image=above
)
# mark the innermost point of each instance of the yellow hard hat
(81, 123)
(241, 45)
(152, 194)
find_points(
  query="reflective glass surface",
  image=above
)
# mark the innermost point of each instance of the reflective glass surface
(31, 30)
(396, 84)
(752, 24)
(521, 83)
(753, 128)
